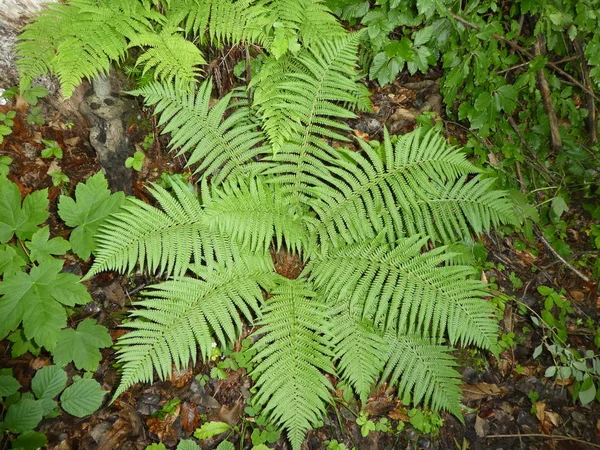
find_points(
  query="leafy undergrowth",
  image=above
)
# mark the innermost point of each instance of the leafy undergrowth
(539, 394)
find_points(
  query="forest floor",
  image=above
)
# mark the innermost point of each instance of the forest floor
(510, 403)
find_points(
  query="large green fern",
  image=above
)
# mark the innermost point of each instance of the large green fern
(380, 297)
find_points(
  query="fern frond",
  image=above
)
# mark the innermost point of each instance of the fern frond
(405, 289)
(418, 186)
(360, 350)
(424, 370)
(299, 96)
(182, 316)
(166, 240)
(219, 146)
(170, 55)
(291, 357)
(220, 21)
(310, 19)
(80, 40)
(254, 214)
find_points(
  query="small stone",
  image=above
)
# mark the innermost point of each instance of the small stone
(148, 404)
(469, 375)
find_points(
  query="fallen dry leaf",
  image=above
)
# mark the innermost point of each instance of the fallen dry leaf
(480, 391)
(115, 436)
(190, 419)
(181, 378)
(361, 135)
(482, 427)
(39, 362)
(163, 428)
(396, 414)
(540, 410)
(578, 296)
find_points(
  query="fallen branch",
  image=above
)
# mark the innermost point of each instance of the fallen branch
(555, 139)
(541, 237)
(558, 437)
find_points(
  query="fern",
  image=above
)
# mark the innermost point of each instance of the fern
(170, 55)
(377, 300)
(222, 147)
(292, 356)
(182, 317)
(80, 40)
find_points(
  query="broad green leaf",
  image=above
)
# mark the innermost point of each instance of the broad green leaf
(30, 440)
(92, 205)
(81, 345)
(48, 405)
(225, 445)
(10, 260)
(22, 220)
(24, 415)
(559, 206)
(82, 398)
(210, 429)
(37, 300)
(505, 98)
(40, 247)
(8, 385)
(156, 446)
(48, 382)
(423, 35)
(587, 393)
(187, 444)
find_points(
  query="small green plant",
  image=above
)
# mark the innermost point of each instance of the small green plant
(426, 422)
(5, 162)
(569, 363)
(35, 116)
(367, 425)
(184, 444)
(59, 178)
(148, 141)
(335, 445)
(6, 124)
(135, 162)
(168, 408)
(52, 149)
(533, 398)
(24, 411)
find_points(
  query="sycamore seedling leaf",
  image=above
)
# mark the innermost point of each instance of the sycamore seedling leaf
(92, 205)
(41, 248)
(82, 398)
(37, 299)
(22, 345)
(10, 260)
(82, 345)
(21, 220)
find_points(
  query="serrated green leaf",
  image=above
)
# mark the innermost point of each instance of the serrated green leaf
(36, 299)
(156, 446)
(8, 385)
(187, 444)
(92, 205)
(82, 398)
(10, 260)
(587, 393)
(559, 206)
(30, 440)
(210, 429)
(22, 345)
(505, 98)
(81, 345)
(48, 405)
(40, 247)
(225, 445)
(24, 415)
(48, 382)
(423, 35)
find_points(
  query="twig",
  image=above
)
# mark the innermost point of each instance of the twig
(527, 53)
(591, 105)
(546, 436)
(563, 260)
(555, 140)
